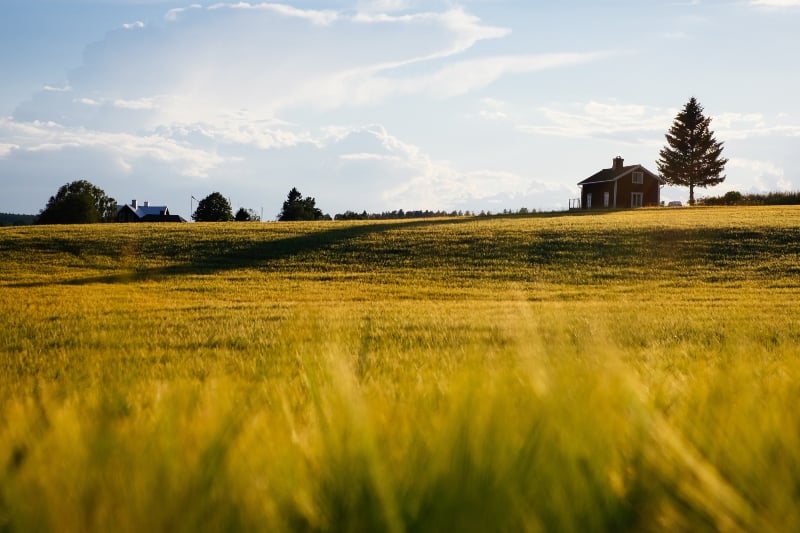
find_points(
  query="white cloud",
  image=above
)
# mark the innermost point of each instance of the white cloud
(199, 97)
(359, 168)
(383, 6)
(456, 19)
(54, 89)
(371, 86)
(38, 137)
(731, 120)
(228, 57)
(741, 126)
(6, 149)
(242, 133)
(630, 122)
(641, 124)
(317, 17)
(756, 166)
(86, 101)
(133, 25)
(758, 176)
(173, 14)
(776, 3)
(469, 75)
(493, 103)
(492, 115)
(422, 182)
(139, 104)
(368, 157)
(493, 109)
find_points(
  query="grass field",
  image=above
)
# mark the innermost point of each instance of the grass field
(633, 370)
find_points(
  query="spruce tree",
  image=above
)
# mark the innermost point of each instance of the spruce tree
(298, 208)
(692, 157)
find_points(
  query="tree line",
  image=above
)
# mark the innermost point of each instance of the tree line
(395, 215)
(81, 202)
(13, 219)
(737, 198)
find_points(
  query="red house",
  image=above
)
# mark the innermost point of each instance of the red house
(621, 187)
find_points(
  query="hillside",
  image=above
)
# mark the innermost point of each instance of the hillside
(683, 247)
(617, 371)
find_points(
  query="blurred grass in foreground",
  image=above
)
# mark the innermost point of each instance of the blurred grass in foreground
(626, 371)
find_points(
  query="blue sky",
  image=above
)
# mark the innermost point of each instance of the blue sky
(385, 104)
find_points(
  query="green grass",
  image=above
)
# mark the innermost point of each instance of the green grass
(634, 370)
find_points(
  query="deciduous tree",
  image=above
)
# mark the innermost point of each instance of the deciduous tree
(78, 202)
(692, 157)
(213, 208)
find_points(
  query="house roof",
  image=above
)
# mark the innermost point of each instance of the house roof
(142, 211)
(610, 174)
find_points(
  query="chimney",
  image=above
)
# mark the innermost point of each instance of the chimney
(134, 205)
(146, 204)
(618, 163)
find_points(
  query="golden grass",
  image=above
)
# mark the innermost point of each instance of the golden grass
(634, 370)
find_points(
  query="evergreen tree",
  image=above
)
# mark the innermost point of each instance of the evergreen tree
(298, 208)
(78, 202)
(213, 208)
(692, 157)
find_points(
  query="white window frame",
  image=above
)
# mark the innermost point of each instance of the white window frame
(637, 199)
(588, 200)
(606, 199)
(638, 178)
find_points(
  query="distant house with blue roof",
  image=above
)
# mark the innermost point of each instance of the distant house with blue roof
(144, 212)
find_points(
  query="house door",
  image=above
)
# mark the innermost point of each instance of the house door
(637, 199)
(588, 200)
(606, 198)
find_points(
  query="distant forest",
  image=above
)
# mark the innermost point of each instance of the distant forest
(737, 198)
(10, 219)
(399, 214)
(729, 198)
(389, 215)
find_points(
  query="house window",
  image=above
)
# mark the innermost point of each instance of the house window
(637, 199)
(588, 200)
(606, 199)
(638, 177)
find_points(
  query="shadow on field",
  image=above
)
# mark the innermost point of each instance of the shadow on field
(583, 254)
(211, 255)
(710, 254)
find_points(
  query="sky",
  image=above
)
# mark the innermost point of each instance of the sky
(378, 105)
